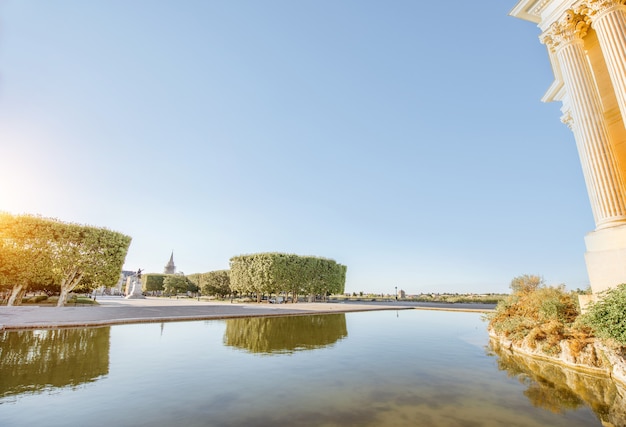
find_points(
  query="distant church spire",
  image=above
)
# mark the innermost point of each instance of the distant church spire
(170, 268)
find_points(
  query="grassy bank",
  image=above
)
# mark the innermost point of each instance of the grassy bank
(440, 298)
(45, 300)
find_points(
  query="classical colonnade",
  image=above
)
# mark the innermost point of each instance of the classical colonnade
(586, 43)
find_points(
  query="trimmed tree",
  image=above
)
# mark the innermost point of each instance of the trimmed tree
(152, 282)
(323, 276)
(268, 273)
(25, 259)
(90, 254)
(39, 250)
(12, 271)
(255, 274)
(216, 283)
(177, 283)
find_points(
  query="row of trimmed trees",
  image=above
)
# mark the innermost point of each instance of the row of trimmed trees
(258, 275)
(44, 254)
(47, 255)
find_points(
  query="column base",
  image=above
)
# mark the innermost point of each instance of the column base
(606, 258)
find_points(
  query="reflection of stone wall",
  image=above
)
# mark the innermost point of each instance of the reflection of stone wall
(592, 355)
(31, 361)
(285, 334)
(558, 388)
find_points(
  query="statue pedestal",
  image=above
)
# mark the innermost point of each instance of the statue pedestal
(135, 290)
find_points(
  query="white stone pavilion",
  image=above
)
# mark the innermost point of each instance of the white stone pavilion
(586, 43)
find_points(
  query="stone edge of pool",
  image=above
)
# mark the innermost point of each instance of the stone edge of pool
(68, 319)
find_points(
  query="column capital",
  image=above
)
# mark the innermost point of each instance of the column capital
(593, 8)
(572, 26)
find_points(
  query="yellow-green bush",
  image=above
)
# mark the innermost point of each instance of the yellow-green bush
(543, 315)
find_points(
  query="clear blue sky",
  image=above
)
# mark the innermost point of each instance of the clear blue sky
(403, 139)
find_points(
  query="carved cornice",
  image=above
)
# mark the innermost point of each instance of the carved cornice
(530, 10)
(539, 7)
(573, 25)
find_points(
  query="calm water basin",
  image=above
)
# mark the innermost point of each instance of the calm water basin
(383, 368)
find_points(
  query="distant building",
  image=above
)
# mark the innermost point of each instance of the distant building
(170, 268)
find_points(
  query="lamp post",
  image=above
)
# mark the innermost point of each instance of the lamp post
(396, 293)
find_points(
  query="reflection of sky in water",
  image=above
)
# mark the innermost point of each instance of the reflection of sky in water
(396, 368)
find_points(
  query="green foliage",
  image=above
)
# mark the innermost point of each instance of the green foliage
(74, 299)
(89, 254)
(35, 299)
(177, 283)
(198, 279)
(38, 298)
(38, 252)
(268, 273)
(215, 283)
(543, 315)
(25, 258)
(48, 287)
(607, 316)
(459, 298)
(152, 282)
(586, 291)
(192, 287)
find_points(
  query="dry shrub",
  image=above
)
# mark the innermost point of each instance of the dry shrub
(579, 338)
(534, 337)
(536, 314)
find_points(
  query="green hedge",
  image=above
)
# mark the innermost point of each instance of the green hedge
(152, 282)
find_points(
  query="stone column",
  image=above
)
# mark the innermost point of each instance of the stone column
(587, 168)
(608, 18)
(600, 169)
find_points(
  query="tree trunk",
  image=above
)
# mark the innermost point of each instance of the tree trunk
(67, 284)
(14, 293)
(63, 296)
(18, 299)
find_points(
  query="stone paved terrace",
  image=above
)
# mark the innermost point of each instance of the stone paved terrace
(117, 310)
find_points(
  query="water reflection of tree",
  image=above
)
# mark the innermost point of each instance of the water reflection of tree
(558, 388)
(285, 334)
(31, 361)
